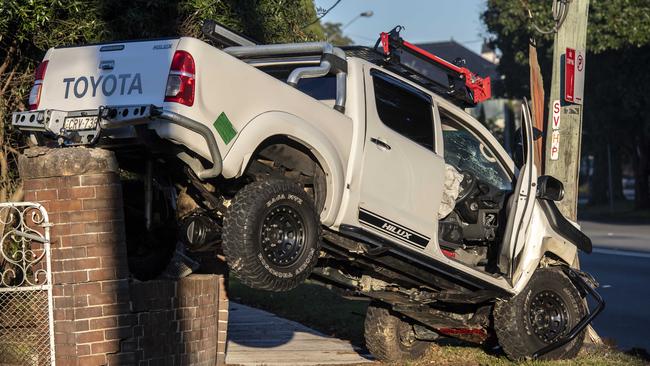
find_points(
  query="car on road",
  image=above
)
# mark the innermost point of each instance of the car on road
(305, 159)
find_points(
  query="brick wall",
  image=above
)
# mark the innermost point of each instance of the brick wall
(102, 317)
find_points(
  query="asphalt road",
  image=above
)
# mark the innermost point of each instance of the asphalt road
(621, 263)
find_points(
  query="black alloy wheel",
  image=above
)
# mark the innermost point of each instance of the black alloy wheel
(271, 235)
(548, 316)
(282, 236)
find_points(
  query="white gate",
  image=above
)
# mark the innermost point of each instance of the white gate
(26, 314)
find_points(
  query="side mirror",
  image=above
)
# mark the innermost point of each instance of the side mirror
(549, 188)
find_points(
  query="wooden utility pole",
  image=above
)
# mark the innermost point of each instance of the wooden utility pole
(562, 153)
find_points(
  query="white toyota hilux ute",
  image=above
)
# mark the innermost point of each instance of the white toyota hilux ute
(304, 159)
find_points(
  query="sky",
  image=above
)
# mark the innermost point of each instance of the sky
(424, 20)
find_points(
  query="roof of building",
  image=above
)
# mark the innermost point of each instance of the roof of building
(451, 50)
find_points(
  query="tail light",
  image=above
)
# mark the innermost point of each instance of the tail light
(180, 83)
(35, 93)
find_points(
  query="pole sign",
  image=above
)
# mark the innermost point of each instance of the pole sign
(555, 145)
(556, 114)
(574, 75)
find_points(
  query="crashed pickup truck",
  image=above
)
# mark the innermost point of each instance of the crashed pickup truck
(349, 166)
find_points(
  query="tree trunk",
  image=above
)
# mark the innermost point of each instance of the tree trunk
(641, 171)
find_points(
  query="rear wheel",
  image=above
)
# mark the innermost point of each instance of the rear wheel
(271, 235)
(390, 337)
(548, 308)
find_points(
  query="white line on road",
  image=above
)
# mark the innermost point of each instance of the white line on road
(623, 253)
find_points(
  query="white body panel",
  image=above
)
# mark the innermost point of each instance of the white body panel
(75, 81)
(404, 185)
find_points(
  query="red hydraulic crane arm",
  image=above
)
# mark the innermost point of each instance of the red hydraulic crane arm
(479, 87)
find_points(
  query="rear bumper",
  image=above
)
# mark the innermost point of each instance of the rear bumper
(52, 122)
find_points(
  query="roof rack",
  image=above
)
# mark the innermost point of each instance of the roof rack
(464, 87)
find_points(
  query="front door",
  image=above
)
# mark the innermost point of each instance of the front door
(523, 201)
(402, 175)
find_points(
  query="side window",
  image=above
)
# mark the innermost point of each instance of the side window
(466, 152)
(405, 111)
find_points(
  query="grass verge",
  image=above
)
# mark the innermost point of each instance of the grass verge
(316, 306)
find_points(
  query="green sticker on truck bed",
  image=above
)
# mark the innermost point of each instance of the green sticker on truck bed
(225, 128)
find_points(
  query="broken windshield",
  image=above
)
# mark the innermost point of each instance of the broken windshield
(466, 152)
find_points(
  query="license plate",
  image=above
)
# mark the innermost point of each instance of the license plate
(80, 123)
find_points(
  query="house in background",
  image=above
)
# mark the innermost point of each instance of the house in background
(501, 116)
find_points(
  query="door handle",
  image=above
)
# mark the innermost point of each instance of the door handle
(380, 144)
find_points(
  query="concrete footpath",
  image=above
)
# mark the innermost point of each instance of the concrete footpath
(257, 337)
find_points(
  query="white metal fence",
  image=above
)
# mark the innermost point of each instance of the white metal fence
(26, 313)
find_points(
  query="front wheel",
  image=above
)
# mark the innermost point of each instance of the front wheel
(390, 337)
(271, 235)
(547, 309)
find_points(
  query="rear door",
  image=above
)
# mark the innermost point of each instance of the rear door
(86, 77)
(402, 175)
(521, 203)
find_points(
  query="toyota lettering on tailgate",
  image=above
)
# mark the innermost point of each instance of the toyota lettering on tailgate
(106, 85)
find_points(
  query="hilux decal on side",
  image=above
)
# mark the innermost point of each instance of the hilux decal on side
(392, 228)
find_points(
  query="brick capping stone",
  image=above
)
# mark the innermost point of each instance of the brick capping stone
(101, 315)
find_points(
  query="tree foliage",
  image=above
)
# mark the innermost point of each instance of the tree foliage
(29, 27)
(334, 34)
(616, 86)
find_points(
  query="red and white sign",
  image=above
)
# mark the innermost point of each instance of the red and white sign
(556, 114)
(574, 75)
(555, 145)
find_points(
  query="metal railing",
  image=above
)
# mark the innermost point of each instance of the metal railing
(26, 308)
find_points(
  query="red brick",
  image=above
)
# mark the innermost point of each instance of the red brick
(65, 205)
(103, 323)
(33, 184)
(81, 301)
(46, 195)
(77, 228)
(80, 276)
(81, 325)
(101, 299)
(92, 288)
(116, 309)
(114, 213)
(94, 360)
(96, 179)
(118, 333)
(113, 191)
(105, 347)
(29, 196)
(83, 350)
(76, 192)
(91, 336)
(98, 227)
(88, 312)
(60, 230)
(62, 277)
(82, 216)
(92, 204)
(102, 274)
(75, 240)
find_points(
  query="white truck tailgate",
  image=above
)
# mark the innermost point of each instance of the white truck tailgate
(86, 77)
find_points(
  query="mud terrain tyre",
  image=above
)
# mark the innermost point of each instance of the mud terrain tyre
(389, 337)
(549, 306)
(271, 235)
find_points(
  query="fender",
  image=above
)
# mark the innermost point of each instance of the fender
(276, 123)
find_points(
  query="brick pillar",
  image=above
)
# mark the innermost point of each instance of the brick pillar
(101, 316)
(80, 189)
